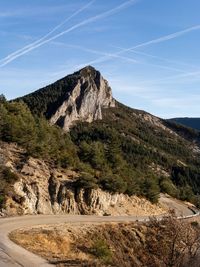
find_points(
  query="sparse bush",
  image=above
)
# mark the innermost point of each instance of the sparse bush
(166, 243)
(7, 179)
(101, 250)
(195, 224)
(172, 243)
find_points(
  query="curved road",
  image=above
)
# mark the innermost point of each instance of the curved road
(12, 255)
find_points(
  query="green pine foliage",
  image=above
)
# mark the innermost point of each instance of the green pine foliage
(115, 154)
(18, 125)
(7, 178)
(47, 100)
(102, 251)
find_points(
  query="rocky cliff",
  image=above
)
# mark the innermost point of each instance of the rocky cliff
(77, 97)
(85, 101)
(42, 189)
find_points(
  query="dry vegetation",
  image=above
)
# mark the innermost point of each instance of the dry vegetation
(168, 243)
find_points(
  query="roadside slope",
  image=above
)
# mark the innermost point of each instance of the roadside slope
(18, 256)
(12, 255)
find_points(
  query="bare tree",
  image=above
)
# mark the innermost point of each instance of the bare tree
(172, 243)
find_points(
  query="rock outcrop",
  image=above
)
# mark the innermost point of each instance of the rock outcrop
(42, 189)
(80, 96)
(85, 101)
(60, 197)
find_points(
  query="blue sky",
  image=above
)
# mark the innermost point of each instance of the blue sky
(148, 50)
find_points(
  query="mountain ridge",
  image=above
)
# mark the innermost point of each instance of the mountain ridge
(188, 122)
(124, 150)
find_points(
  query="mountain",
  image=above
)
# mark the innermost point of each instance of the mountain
(188, 122)
(77, 97)
(73, 139)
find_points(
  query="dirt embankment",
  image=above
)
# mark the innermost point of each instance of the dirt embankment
(154, 244)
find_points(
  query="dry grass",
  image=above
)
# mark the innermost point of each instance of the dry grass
(56, 244)
(130, 244)
(41, 241)
(68, 245)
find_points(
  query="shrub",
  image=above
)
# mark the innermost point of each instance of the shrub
(7, 179)
(8, 176)
(166, 186)
(173, 242)
(113, 183)
(101, 250)
(2, 200)
(186, 193)
(86, 181)
(151, 189)
(195, 224)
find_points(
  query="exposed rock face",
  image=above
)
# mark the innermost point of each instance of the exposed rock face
(85, 101)
(155, 121)
(43, 190)
(61, 198)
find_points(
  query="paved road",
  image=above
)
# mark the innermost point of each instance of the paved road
(180, 208)
(12, 255)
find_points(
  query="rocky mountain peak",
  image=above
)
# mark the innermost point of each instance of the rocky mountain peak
(89, 71)
(84, 102)
(80, 96)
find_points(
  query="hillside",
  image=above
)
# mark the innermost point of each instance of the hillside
(165, 243)
(189, 122)
(108, 145)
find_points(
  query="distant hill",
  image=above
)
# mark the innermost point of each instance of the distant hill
(189, 122)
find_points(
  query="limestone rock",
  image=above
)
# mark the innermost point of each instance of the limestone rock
(91, 93)
(42, 189)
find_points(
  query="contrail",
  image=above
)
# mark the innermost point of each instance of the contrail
(105, 58)
(111, 55)
(49, 33)
(76, 26)
(93, 51)
(184, 75)
(167, 37)
(157, 57)
(154, 41)
(106, 55)
(161, 39)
